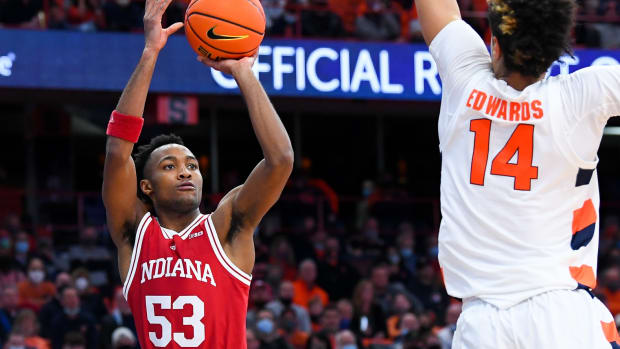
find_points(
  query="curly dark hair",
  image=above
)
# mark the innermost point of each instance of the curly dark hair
(143, 154)
(532, 34)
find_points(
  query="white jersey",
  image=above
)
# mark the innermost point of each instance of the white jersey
(519, 191)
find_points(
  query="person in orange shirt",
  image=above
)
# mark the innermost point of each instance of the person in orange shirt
(305, 286)
(35, 291)
(26, 323)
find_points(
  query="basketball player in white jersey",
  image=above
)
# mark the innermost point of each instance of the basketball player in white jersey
(519, 194)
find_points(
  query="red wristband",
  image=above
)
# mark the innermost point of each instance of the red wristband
(125, 127)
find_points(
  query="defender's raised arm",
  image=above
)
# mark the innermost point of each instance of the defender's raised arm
(435, 15)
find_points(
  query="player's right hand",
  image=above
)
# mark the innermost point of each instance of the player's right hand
(230, 66)
(155, 36)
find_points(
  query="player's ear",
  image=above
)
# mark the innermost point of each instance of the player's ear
(496, 51)
(145, 186)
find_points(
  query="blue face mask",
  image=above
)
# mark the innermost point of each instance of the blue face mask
(349, 346)
(433, 251)
(345, 323)
(22, 246)
(265, 326)
(406, 252)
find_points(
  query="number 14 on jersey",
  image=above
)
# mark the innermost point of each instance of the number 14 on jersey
(521, 142)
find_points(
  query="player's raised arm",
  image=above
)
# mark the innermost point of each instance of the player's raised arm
(246, 205)
(434, 15)
(119, 176)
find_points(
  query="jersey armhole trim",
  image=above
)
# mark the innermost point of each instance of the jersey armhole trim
(567, 149)
(221, 255)
(135, 254)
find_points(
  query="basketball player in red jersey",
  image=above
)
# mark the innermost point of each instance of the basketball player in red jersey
(186, 275)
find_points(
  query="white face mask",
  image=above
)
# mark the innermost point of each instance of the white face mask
(81, 283)
(36, 276)
(17, 347)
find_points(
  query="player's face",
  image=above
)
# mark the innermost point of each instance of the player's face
(174, 181)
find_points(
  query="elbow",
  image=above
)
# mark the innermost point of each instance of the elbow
(284, 160)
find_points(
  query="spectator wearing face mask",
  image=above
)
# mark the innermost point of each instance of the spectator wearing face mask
(406, 243)
(21, 249)
(10, 271)
(345, 340)
(8, 311)
(90, 299)
(35, 291)
(120, 316)
(267, 332)
(290, 330)
(54, 305)
(73, 319)
(16, 341)
(284, 301)
(123, 338)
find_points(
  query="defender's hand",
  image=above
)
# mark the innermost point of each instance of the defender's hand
(230, 66)
(155, 36)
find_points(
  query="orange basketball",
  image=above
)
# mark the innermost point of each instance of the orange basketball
(225, 28)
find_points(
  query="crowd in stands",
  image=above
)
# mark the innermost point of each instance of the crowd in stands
(315, 285)
(377, 20)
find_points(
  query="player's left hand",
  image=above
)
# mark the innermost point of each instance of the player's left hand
(230, 66)
(155, 36)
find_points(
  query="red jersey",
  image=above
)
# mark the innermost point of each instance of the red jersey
(183, 290)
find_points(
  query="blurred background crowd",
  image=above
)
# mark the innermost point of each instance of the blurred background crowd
(318, 283)
(360, 19)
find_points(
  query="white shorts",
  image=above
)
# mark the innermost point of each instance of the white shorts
(557, 319)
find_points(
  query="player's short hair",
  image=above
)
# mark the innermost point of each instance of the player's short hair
(143, 154)
(532, 34)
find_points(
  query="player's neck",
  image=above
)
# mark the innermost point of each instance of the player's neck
(175, 220)
(515, 80)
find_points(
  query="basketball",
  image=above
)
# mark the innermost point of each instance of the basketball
(225, 29)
